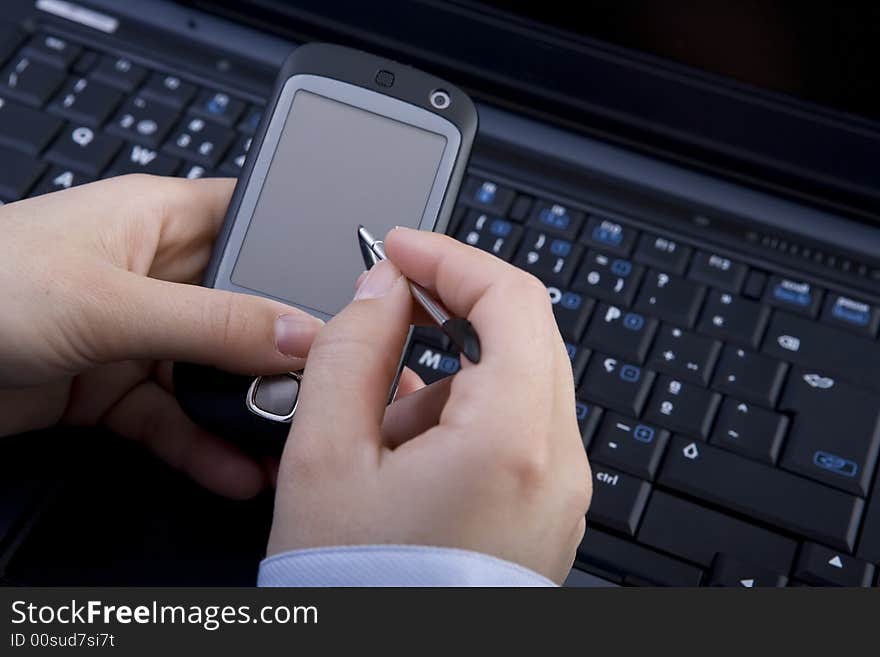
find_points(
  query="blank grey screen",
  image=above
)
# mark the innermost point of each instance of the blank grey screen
(335, 166)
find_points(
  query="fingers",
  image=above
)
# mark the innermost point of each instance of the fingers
(409, 383)
(157, 320)
(352, 364)
(415, 413)
(150, 415)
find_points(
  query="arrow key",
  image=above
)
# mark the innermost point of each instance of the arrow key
(823, 566)
(728, 571)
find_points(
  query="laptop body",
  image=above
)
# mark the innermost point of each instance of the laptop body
(692, 225)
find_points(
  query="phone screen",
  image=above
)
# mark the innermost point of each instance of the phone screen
(335, 166)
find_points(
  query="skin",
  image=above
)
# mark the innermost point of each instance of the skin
(99, 299)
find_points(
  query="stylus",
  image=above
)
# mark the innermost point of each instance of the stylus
(457, 329)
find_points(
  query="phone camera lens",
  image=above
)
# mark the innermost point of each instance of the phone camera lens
(440, 99)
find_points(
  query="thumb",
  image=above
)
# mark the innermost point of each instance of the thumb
(353, 361)
(242, 333)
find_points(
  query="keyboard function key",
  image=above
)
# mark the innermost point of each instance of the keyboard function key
(621, 333)
(851, 314)
(30, 81)
(556, 218)
(572, 311)
(618, 500)
(169, 90)
(671, 298)
(617, 385)
(609, 235)
(684, 355)
(749, 376)
(663, 253)
(85, 101)
(490, 233)
(199, 141)
(234, 161)
(733, 318)
(52, 50)
(143, 121)
(485, 194)
(750, 430)
(550, 258)
(733, 572)
(796, 296)
(119, 72)
(251, 120)
(630, 445)
(432, 364)
(217, 106)
(26, 129)
(821, 566)
(718, 271)
(608, 278)
(682, 407)
(83, 149)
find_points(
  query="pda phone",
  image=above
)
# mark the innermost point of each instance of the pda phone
(348, 138)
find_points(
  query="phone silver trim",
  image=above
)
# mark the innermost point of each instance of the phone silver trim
(250, 400)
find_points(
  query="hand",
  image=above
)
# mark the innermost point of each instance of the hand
(490, 460)
(94, 308)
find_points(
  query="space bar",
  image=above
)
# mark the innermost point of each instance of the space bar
(825, 349)
(773, 496)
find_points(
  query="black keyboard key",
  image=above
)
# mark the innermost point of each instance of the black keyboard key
(588, 416)
(432, 364)
(490, 233)
(618, 500)
(218, 106)
(578, 578)
(733, 318)
(835, 433)
(756, 281)
(83, 149)
(57, 179)
(140, 159)
(684, 355)
(824, 348)
(749, 376)
(621, 333)
(550, 258)
(634, 564)
(202, 142)
(629, 445)
(18, 173)
(697, 534)
(609, 235)
(169, 90)
(85, 63)
(572, 311)
(729, 571)
(52, 50)
(24, 128)
(194, 172)
(849, 313)
(234, 161)
(608, 278)
(750, 430)
(251, 120)
(557, 219)
(119, 72)
(795, 296)
(821, 566)
(86, 102)
(10, 37)
(521, 208)
(718, 271)
(144, 121)
(484, 194)
(683, 407)
(670, 298)
(29, 81)
(578, 356)
(762, 492)
(662, 253)
(614, 384)
(869, 544)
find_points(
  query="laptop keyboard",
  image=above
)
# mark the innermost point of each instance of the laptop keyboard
(731, 413)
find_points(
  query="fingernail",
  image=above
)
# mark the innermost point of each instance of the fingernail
(294, 334)
(379, 281)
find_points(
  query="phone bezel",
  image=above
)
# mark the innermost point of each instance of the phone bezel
(355, 96)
